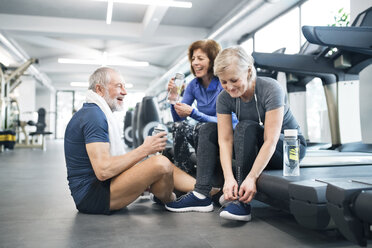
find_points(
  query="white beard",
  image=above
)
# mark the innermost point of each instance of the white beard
(112, 102)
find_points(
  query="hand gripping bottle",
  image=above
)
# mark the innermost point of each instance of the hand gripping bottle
(157, 130)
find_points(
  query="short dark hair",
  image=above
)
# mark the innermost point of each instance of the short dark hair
(210, 47)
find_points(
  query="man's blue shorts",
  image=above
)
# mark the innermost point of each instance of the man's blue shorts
(97, 200)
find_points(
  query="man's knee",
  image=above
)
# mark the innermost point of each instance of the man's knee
(162, 164)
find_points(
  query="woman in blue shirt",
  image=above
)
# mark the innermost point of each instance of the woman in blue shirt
(204, 88)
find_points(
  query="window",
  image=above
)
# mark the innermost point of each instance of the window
(248, 45)
(317, 113)
(283, 32)
(325, 15)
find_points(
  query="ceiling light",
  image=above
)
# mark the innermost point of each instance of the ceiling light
(110, 4)
(169, 3)
(101, 62)
(79, 84)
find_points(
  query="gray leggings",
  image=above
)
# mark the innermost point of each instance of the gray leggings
(248, 139)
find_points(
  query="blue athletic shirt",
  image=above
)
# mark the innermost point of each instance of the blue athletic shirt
(87, 125)
(205, 101)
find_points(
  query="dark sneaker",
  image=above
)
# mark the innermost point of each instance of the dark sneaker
(216, 198)
(237, 210)
(155, 199)
(190, 203)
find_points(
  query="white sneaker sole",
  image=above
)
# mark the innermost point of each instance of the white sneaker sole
(204, 209)
(227, 215)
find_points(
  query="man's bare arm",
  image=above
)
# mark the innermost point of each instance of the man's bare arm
(106, 166)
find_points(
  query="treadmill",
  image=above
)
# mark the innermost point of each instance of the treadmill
(349, 200)
(326, 196)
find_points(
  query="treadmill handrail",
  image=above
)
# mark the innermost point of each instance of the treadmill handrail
(355, 39)
(300, 64)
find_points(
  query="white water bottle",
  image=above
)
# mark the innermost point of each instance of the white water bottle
(157, 130)
(291, 153)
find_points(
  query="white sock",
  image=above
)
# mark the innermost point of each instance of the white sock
(174, 197)
(198, 195)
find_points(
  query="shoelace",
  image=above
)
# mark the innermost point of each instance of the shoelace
(184, 196)
(227, 203)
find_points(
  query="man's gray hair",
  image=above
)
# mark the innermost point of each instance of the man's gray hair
(101, 76)
(234, 55)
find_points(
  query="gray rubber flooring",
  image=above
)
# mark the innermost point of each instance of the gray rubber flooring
(37, 210)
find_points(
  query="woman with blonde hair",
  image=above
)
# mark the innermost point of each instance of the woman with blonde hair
(257, 141)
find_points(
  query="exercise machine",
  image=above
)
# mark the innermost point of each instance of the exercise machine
(333, 194)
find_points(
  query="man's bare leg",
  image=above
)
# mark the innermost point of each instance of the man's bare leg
(186, 183)
(183, 181)
(156, 172)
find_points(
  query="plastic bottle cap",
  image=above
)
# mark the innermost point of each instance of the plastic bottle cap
(159, 128)
(290, 133)
(180, 76)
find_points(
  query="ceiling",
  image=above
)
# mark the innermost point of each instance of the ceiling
(48, 30)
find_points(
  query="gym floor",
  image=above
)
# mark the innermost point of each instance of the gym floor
(37, 210)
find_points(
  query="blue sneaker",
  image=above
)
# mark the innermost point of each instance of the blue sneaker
(237, 210)
(190, 203)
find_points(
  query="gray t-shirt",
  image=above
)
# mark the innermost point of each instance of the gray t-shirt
(270, 95)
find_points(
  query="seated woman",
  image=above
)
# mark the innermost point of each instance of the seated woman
(257, 141)
(203, 89)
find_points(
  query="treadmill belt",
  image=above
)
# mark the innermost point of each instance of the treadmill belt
(305, 196)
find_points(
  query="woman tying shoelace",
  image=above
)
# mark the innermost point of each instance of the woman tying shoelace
(255, 144)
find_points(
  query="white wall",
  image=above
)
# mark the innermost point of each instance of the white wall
(365, 79)
(25, 94)
(348, 110)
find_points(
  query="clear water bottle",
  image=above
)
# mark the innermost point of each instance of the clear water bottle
(291, 153)
(175, 93)
(158, 129)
